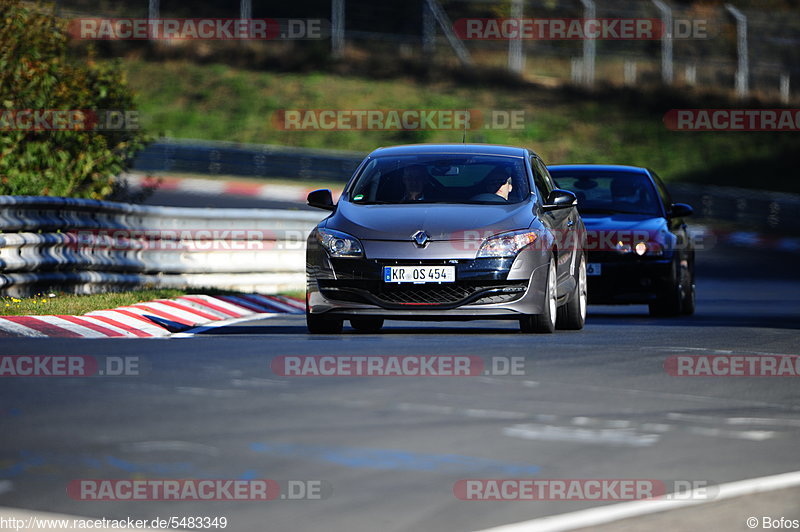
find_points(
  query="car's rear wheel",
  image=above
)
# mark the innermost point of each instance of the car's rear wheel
(323, 325)
(572, 314)
(545, 322)
(366, 324)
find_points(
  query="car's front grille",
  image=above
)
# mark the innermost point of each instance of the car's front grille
(434, 295)
(426, 294)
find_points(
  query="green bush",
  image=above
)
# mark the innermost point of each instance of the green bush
(39, 70)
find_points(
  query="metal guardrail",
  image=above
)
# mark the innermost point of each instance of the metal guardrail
(753, 210)
(88, 246)
(229, 158)
(750, 209)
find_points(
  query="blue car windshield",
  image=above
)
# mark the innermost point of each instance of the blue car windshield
(437, 178)
(608, 192)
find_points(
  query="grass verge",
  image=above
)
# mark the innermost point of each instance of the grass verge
(220, 102)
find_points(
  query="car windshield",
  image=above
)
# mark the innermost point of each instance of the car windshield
(470, 179)
(609, 192)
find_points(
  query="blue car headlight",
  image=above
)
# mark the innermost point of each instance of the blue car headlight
(340, 245)
(506, 244)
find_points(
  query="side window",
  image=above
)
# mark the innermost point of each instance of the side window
(544, 183)
(547, 177)
(663, 193)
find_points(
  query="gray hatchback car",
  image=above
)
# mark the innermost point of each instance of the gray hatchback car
(447, 232)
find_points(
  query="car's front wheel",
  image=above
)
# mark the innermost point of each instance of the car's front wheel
(670, 301)
(572, 314)
(323, 325)
(545, 322)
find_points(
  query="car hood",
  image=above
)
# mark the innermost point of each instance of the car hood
(440, 221)
(623, 222)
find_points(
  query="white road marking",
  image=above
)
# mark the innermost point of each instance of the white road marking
(170, 445)
(762, 421)
(615, 512)
(627, 437)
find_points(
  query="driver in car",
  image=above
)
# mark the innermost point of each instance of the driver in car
(498, 185)
(415, 179)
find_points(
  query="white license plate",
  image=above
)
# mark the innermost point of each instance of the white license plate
(594, 268)
(419, 274)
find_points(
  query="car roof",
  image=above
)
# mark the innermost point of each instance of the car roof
(600, 168)
(471, 149)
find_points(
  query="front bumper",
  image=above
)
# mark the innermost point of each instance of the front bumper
(629, 280)
(484, 288)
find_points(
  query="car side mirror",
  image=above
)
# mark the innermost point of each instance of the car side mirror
(560, 199)
(679, 210)
(321, 199)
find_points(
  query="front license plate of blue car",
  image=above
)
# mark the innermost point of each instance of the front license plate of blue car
(419, 274)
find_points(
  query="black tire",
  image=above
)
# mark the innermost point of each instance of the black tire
(571, 315)
(367, 325)
(688, 302)
(670, 302)
(544, 323)
(323, 325)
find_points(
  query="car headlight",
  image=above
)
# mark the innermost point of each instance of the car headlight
(339, 244)
(641, 248)
(506, 244)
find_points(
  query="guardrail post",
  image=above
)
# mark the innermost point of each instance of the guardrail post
(153, 9)
(589, 46)
(245, 11)
(516, 54)
(337, 28)
(785, 88)
(630, 73)
(743, 70)
(428, 32)
(666, 41)
(576, 70)
(691, 74)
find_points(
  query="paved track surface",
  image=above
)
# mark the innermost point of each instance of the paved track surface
(592, 404)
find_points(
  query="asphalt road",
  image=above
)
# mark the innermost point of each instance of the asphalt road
(591, 404)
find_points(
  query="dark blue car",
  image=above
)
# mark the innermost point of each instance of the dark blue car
(639, 250)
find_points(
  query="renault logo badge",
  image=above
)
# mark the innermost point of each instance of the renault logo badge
(421, 238)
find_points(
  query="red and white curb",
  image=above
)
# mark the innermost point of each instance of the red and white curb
(270, 191)
(158, 318)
